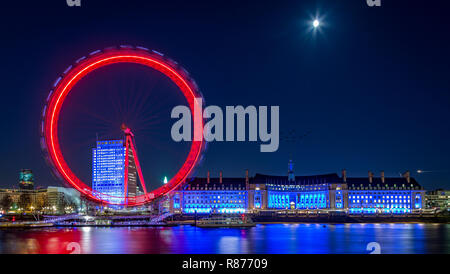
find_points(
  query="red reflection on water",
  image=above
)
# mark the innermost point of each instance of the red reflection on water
(49, 241)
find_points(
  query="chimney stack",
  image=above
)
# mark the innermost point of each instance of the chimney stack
(291, 175)
(370, 176)
(344, 175)
(208, 178)
(220, 177)
(382, 177)
(246, 180)
(407, 175)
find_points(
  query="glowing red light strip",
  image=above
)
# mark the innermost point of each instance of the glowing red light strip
(53, 149)
(126, 170)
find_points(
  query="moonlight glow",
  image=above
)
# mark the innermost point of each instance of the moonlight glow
(316, 23)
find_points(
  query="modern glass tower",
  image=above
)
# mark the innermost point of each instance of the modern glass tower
(108, 166)
(26, 179)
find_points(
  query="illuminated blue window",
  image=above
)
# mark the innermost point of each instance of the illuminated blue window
(257, 199)
(339, 203)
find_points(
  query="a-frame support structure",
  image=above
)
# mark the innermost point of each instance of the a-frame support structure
(129, 143)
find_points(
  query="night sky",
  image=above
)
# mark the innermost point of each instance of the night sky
(370, 90)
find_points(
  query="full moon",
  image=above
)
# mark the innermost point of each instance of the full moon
(316, 23)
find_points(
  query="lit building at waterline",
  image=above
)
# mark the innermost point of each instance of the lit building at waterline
(212, 195)
(438, 199)
(50, 200)
(353, 195)
(384, 195)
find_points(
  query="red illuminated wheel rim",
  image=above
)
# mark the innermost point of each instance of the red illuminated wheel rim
(82, 67)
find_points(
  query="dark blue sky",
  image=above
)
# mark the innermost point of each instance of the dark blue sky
(372, 87)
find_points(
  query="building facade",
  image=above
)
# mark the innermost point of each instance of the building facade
(108, 172)
(22, 199)
(384, 195)
(298, 192)
(438, 199)
(61, 199)
(49, 200)
(357, 195)
(211, 195)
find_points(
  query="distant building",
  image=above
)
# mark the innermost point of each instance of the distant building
(438, 199)
(363, 195)
(22, 199)
(26, 179)
(61, 199)
(51, 200)
(108, 172)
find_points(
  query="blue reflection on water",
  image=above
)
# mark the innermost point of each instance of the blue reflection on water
(270, 238)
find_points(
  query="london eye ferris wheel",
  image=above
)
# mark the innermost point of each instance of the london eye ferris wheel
(65, 83)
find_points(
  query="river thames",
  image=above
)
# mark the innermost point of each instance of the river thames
(264, 238)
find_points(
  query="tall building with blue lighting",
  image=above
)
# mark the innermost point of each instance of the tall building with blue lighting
(108, 166)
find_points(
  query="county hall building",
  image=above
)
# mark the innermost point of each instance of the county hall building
(354, 195)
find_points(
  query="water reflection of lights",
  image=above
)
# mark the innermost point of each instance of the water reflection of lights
(86, 229)
(53, 245)
(86, 239)
(32, 246)
(229, 245)
(166, 235)
(265, 238)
